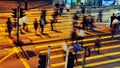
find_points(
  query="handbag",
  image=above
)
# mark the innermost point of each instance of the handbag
(77, 47)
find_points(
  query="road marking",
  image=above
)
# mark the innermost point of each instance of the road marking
(17, 51)
(69, 42)
(117, 67)
(103, 48)
(90, 44)
(21, 57)
(101, 63)
(6, 56)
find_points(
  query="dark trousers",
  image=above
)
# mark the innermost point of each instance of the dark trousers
(42, 28)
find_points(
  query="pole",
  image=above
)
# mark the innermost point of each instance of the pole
(26, 4)
(48, 57)
(18, 16)
(83, 63)
(66, 61)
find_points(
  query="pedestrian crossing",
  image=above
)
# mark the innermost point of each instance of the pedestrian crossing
(109, 52)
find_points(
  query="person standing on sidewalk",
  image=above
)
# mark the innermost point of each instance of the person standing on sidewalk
(35, 25)
(9, 26)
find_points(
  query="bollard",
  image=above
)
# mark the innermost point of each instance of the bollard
(83, 63)
(67, 54)
(48, 57)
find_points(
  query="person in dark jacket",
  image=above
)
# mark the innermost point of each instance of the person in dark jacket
(57, 6)
(35, 25)
(44, 14)
(112, 18)
(9, 26)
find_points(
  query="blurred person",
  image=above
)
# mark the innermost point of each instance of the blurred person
(112, 18)
(44, 14)
(9, 26)
(68, 8)
(82, 8)
(114, 26)
(52, 27)
(84, 23)
(100, 15)
(57, 6)
(90, 22)
(75, 20)
(15, 24)
(97, 43)
(42, 23)
(62, 5)
(73, 35)
(35, 25)
(25, 25)
(55, 15)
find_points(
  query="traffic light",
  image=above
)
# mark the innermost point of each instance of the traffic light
(42, 61)
(14, 13)
(21, 12)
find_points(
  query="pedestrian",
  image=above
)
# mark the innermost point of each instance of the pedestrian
(57, 6)
(82, 8)
(90, 22)
(15, 24)
(25, 25)
(84, 23)
(9, 26)
(74, 35)
(44, 14)
(62, 5)
(71, 58)
(112, 18)
(42, 23)
(97, 43)
(75, 20)
(52, 27)
(68, 9)
(114, 26)
(35, 25)
(55, 15)
(100, 15)
(80, 36)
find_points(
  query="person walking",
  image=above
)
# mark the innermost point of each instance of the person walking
(112, 18)
(9, 26)
(35, 25)
(97, 43)
(57, 6)
(44, 14)
(42, 23)
(114, 27)
(62, 5)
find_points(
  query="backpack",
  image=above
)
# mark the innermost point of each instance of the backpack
(77, 47)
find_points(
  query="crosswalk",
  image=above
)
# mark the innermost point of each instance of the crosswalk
(109, 52)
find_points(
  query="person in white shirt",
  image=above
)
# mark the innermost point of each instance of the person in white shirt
(42, 22)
